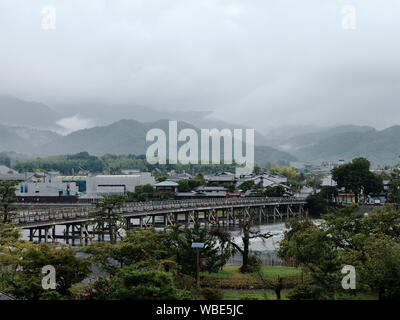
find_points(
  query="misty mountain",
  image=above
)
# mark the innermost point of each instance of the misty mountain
(310, 139)
(210, 123)
(17, 112)
(129, 137)
(380, 147)
(24, 140)
(104, 114)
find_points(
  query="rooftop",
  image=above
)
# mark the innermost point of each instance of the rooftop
(167, 183)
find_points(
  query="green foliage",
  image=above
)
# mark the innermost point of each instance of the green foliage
(326, 276)
(356, 177)
(212, 294)
(72, 164)
(108, 215)
(132, 284)
(303, 292)
(180, 247)
(276, 191)
(381, 268)
(142, 193)
(21, 271)
(253, 265)
(318, 204)
(247, 185)
(148, 249)
(184, 186)
(302, 243)
(7, 198)
(371, 244)
(66, 164)
(394, 188)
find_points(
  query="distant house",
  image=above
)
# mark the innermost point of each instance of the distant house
(167, 186)
(346, 197)
(221, 178)
(130, 171)
(267, 180)
(304, 192)
(210, 189)
(172, 176)
(117, 184)
(386, 185)
(328, 182)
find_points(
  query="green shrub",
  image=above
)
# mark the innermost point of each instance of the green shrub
(302, 292)
(212, 294)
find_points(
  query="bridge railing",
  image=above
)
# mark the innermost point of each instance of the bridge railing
(71, 213)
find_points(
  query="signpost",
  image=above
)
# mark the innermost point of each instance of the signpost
(197, 246)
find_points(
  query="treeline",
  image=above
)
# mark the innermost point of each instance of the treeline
(112, 164)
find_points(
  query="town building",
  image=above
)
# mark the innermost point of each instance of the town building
(221, 178)
(100, 185)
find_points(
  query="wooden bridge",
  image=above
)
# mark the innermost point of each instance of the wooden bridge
(41, 220)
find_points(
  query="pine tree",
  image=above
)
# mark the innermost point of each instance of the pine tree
(7, 198)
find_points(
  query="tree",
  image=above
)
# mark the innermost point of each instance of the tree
(380, 270)
(356, 177)
(320, 202)
(132, 284)
(247, 185)
(394, 188)
(148, 249)
(22, 273)
(249, 263)
(276, 191)
(184, 186)
(371, 244)
(7, 198)
(142, 193)
(302, 243)
(108, 215)
(180, 248)
(326, 276)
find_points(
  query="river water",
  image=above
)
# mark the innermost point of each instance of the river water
(265, 248)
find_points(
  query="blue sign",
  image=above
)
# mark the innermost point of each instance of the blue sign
(197, 245)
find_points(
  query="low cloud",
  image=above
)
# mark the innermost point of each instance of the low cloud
(74, 123)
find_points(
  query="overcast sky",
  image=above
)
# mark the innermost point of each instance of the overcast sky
(262, 63)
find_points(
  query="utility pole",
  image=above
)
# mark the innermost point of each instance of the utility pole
(197, 246)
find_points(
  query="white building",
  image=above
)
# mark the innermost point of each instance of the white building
(48, 186)
(116, 184)
(328, 182)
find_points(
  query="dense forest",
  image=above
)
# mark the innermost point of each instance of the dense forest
(83, 162)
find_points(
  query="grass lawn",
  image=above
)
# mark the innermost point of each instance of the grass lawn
(232, 272)
(252, 295)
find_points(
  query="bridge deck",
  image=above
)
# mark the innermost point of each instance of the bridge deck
(32, 217)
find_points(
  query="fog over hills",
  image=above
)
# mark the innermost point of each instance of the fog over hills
(36, 129)
(17, 112)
